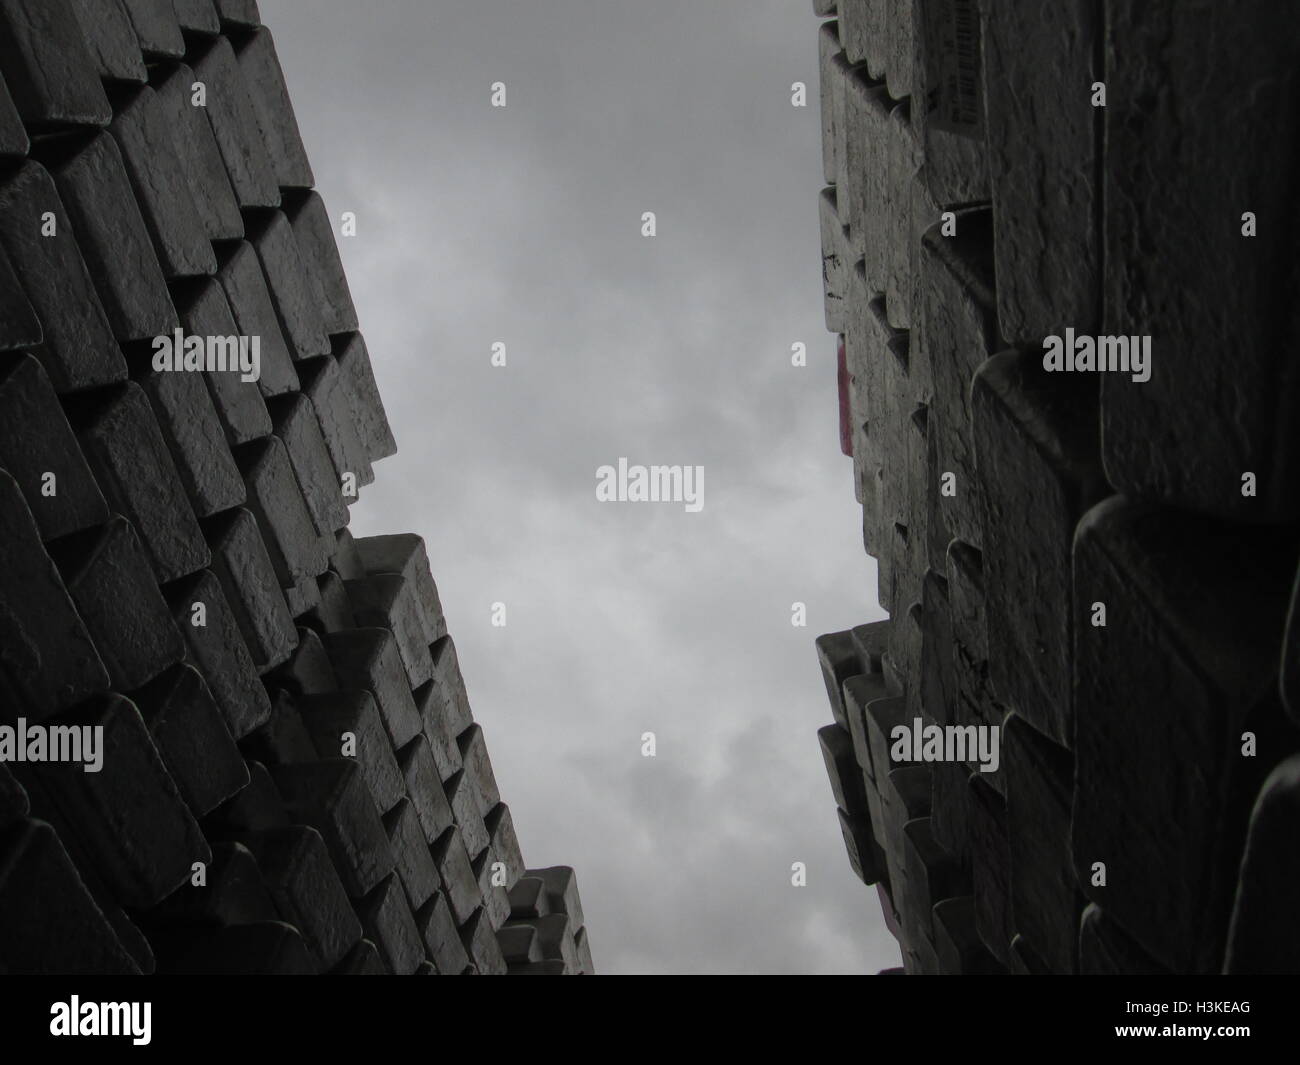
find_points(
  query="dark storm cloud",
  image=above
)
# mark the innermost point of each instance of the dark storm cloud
(523, 225)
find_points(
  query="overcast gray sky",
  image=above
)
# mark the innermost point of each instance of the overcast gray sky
(523, 225)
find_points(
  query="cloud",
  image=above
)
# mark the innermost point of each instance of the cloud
(523, 225)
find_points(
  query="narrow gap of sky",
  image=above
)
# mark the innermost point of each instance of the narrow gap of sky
(523, 225)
